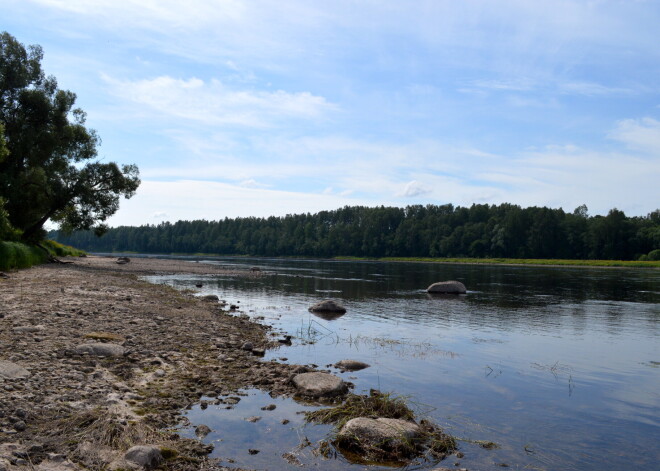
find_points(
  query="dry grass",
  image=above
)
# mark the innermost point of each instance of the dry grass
(104, 337)
(431, 444)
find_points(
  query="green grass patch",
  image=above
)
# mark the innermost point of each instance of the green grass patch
(15, 255)
(519, 261)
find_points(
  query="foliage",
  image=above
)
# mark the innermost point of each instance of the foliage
(51, 171)
(480, 232)
(15, 255)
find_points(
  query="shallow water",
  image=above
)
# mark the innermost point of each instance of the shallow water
(559, 366)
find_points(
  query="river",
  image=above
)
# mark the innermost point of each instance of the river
(560, 367)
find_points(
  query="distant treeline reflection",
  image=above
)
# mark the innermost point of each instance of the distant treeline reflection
(504, 230)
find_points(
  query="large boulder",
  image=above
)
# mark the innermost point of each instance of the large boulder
(9, 370)
(447, 287)
(100, 349)
(329, 306)
(317, 384)
(395, 438)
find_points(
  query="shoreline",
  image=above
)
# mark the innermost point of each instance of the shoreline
(509, 262)
(60, 407)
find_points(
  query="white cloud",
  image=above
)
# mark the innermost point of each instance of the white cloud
(639, 134)
(414, 189)
(594, 89)
(198, 199)
(213, 103)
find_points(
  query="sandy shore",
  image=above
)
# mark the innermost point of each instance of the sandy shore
(64, 406)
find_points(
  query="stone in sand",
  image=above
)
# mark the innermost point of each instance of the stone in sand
(9, 370)
(147, 456)
(447, 287)
(328, 306)
(386, 434)
(317, 384)
(351, 365)
(101, 349)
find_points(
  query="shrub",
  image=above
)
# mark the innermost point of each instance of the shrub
(654, 255)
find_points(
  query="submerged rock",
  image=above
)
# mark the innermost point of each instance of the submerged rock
(328, 306)
(202, 431)
(101, 349)
(351, 365)
(317, 384)
(447, 287)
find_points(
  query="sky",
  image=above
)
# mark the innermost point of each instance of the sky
(237, 108)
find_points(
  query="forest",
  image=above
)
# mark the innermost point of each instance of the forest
(479, 231)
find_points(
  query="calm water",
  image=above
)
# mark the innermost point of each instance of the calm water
(559, 366)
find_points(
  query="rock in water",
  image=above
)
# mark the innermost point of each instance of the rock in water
(9, 370)
(447, 287)
(101, 349)
(317, 384)
(202, 431)
(328, 306)
(393, 436)
(147, 456)
(351, 365)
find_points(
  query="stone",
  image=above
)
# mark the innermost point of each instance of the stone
(202, 431)
(351, 365)
(317, 384)
(447, 287)
(9, 370)
(28, 329)
(247, 346)
(386, 434)
(101, 349)
(19, 426)
(147, 456)
(123, 260)
(211, 297)
(328, 306)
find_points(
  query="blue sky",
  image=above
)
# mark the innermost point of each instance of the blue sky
(257, 108)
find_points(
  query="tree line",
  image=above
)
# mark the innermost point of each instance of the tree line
(481, 231)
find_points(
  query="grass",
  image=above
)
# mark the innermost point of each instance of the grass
(518, 261)
(15, 255)
(104, 337)
(431, 442)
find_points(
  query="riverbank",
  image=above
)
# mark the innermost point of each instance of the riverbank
(518, 262)
(63, 406)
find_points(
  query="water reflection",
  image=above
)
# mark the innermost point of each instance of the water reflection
(554, 364)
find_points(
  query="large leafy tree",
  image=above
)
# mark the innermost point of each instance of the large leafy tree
(52, 171)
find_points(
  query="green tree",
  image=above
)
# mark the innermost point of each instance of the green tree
(51, 171)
